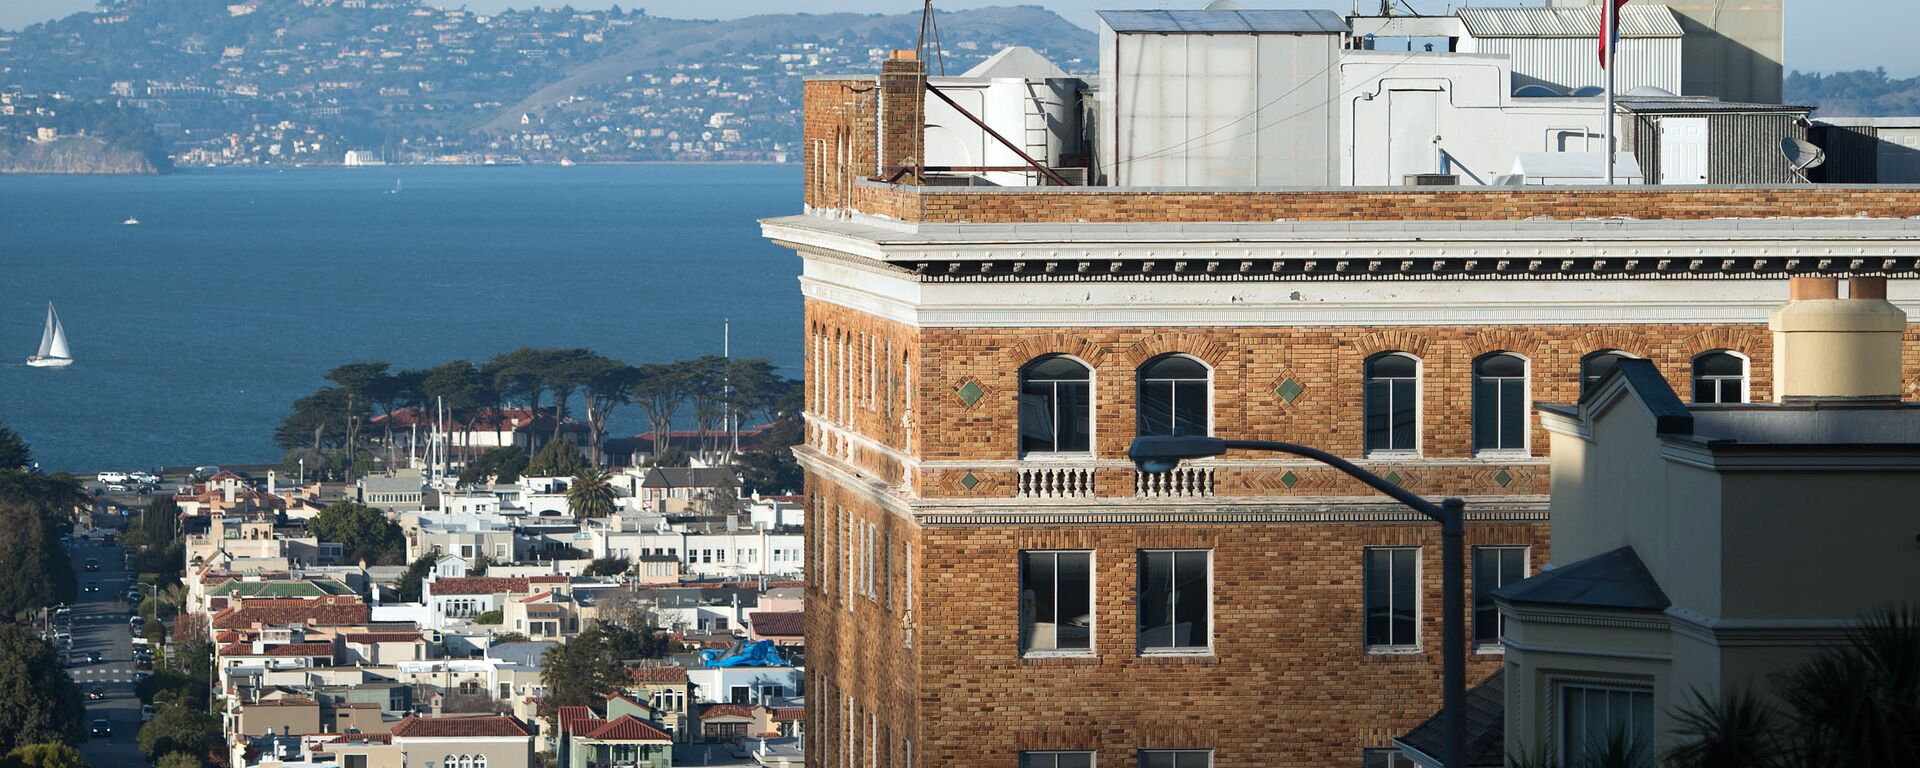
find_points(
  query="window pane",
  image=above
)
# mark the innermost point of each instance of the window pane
(1156, 598)
(1379, 398)
(1513, 414)
(1037, 597)
(1403, 597)
(1057, 367)
(1719, 364)
(1156, 408)
(1073, 759)
(1036, 417)
(1500, 366)
(1486, 414)
(1156, 760)
(1378, 567)
(1391, 366)
(1403, 414)
(1486, 568)
(1173, 367)
(1076, 416)
(1076, 600)
(1190, 619)
(1190, 407)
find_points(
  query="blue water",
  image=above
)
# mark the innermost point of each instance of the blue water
(193, 331)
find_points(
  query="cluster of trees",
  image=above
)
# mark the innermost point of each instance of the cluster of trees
(363, 533)
(1859, 93)
(35, 510)
(586, 669)
(330, 428)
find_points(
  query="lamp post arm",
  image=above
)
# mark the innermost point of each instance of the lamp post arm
(1434, 511)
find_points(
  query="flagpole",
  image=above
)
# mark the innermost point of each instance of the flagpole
(1610, 26)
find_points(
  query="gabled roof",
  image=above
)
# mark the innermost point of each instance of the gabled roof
(415, 726)
(1016, 61)
(687, 477)
(1616, 580)
(778, 623)
(630, 728)
(1486, 727)
(1636, 20)
(659, 674)
(569, 717)
(1225, 21)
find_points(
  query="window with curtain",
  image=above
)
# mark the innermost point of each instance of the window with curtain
(1592, 714)
(1174, 608)
(1500, 402)
(1174, 397)
(1392, 402)
(1720, 377)
(1596, 366)
(1392, 601)
(1493, 568)
(1056, 406)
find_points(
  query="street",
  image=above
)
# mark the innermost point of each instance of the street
(100, 624)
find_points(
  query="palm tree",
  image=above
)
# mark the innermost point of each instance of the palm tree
(591, 494)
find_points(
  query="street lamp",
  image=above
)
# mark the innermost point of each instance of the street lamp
(1159, 455)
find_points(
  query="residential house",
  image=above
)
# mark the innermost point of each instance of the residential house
(626, 733)
(667, 690)
(451, 741)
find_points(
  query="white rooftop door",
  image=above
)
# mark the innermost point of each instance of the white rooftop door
(1683, 150)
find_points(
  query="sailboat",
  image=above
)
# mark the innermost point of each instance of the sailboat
(53, 344)
(397, 189)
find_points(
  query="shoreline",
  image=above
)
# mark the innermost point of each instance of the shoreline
(178, 170)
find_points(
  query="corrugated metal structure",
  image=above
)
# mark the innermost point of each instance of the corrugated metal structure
(1733, 50)
(1218, 98)
(1558, 48)
(1868, 150)
(1722, 142)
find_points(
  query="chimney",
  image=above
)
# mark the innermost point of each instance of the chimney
(1829, 348)
(227, 490)
(903, 107)
(273, 483)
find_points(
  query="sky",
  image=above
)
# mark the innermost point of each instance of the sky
(1868, 34)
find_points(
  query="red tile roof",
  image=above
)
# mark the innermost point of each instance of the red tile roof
(415, 726)
(629, 728)
(357, 738)
(281, 612)
(481, 585)
(785, 714)
(382, 637)
(659, 674)
(727, 710)
(568, 717)
(778, 623)
(289, 649)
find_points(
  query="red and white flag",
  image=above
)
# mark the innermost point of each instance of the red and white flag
(1609, 27)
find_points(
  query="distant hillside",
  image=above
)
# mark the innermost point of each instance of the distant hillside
(1859, 93)
(244, 82)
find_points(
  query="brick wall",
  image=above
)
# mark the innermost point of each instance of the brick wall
(1289, 683)
(860, 369)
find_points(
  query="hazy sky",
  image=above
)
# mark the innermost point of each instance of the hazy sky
(1824, 35)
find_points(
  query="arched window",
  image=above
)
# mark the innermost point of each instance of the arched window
(1175, 397)
(479, 761)
(1720, 377)
(1056, 406)
(1596, 366)
(1500, 402)
(1393, 402)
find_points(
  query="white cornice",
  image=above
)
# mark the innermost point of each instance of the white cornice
(1730, 633)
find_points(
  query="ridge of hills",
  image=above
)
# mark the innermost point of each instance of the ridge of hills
(259, 82)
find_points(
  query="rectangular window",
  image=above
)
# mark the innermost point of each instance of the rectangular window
(1499, 413)
(1493, 568)
(1386, 758)
(1056, 760)
(1390, 414)
(1176, 758)
(1592, 714)
(1391, 599)
(1056, 601)
(1175, 610)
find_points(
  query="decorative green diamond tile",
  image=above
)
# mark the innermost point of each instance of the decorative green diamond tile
(1290, 390)
(1504, 478)
(968, 481)
(970, 393)
(1289, 479)
(1394, 477)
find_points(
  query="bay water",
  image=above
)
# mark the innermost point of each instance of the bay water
(193, 330)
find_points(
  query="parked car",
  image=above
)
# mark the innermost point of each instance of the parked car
(96, 693)
(112, 477)
(139, 664)
(146, 712)
(206, 471)
(102, 729)
(116, 488)
(148, 478)
(140, 676)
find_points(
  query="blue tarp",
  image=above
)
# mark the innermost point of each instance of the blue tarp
(760, 654)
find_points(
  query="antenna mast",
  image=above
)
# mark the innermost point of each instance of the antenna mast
(930, 30)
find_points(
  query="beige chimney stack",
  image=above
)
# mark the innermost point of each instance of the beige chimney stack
(1829, 348)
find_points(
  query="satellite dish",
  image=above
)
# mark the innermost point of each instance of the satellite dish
(1586, 91)
(1535, 91)
(1802, 155)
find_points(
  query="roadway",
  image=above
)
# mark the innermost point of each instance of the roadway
(100, 624)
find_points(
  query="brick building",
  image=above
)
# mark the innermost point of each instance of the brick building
(991, 583)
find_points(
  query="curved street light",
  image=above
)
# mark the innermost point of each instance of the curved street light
(1159, 455)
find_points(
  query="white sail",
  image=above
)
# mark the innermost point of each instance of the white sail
(55, 342)
(46, 335)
